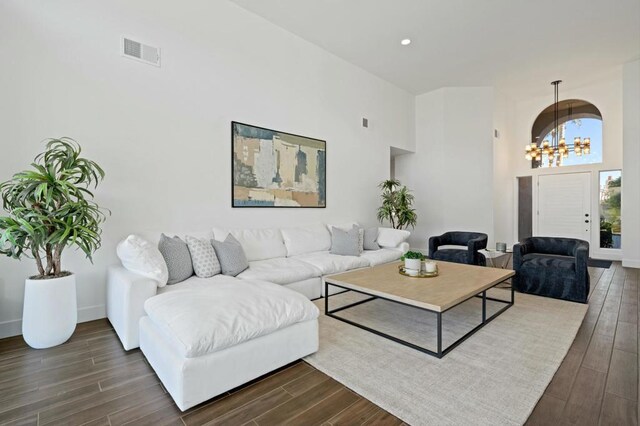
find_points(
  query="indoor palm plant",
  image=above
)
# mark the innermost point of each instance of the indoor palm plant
(396, 206)
(50, 208)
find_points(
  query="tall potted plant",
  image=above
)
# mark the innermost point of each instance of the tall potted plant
(50, 208)
(396, 206)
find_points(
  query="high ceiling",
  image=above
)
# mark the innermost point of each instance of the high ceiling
(516, 45)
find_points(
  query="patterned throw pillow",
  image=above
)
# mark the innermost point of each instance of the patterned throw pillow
(203, 257)
(346, 243)
(370, 239)
(231, 256)
(177, 257)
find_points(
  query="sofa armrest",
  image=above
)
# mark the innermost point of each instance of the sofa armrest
(403, 247)
(126, 294)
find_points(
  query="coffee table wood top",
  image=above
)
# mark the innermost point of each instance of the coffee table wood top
(454, 284)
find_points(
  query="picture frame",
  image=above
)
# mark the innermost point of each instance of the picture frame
(275, 169)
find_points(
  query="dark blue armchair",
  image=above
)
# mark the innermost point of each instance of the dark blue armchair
(474, 241)
(553, 267)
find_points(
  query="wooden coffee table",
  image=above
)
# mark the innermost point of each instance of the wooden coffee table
(455, 284)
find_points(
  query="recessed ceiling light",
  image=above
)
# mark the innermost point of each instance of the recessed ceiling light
(405, 42)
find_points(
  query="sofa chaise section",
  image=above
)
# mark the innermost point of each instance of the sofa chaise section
(208, 338)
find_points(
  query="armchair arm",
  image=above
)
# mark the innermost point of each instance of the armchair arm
(581, 253)
(434, 243)
(126, 294)
(519, 250)
(473, 245)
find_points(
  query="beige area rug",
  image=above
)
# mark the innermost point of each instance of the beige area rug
(495, 377)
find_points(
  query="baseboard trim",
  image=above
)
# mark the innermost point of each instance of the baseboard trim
(631, 263)
(14, 327)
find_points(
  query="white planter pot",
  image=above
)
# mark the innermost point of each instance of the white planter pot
(413, 264)
(50, 311)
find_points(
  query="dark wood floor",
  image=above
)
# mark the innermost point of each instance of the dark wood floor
(92, 380)
(597, 383)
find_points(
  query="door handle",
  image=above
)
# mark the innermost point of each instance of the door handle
(586, 221)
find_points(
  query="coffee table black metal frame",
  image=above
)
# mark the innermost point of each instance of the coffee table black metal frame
(440, 352)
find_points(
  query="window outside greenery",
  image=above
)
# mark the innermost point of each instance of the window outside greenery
(610, 202)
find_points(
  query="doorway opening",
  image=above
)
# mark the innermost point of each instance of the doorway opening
(525, 207)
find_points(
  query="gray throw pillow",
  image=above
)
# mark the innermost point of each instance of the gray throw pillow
(346, 243)
(203, 257)
(231, 256)
(370, 239)
(177, 257)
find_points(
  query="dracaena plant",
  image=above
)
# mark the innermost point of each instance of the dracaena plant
(50, 207)
(396, 206)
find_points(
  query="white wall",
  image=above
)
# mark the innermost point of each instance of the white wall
(163, 134)
(451, 172)
(503, 180)
(606, 94)
(631, 165)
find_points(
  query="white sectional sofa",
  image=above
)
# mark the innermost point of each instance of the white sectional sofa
(181, 327)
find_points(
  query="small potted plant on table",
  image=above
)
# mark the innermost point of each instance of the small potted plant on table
(412, 260)
(50, 207)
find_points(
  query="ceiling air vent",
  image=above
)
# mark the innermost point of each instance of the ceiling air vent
(140, 52)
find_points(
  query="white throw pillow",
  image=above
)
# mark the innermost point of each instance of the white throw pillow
(306, 240)
(140, 256)
(258, 244)
(391, 238)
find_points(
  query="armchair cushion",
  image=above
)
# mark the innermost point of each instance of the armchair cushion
(451, 255)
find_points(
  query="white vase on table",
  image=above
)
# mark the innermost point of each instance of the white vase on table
(412, 264)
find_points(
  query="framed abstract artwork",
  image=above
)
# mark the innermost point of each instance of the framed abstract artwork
(276, 169)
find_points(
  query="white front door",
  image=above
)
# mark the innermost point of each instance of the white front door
(564, 205)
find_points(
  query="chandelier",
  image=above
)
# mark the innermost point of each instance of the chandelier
(558, 149)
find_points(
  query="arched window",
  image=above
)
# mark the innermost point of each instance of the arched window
(576, 119)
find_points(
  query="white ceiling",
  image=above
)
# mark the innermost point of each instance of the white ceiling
(519, 46)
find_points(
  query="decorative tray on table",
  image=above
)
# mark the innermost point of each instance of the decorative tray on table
(421, 274)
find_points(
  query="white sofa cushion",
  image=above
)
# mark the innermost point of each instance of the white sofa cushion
(283, 270)
(140, 256)
(197, 283)
(258, 244)
(208, 318)
(390, 238)
(384, 255)
(332, 263)
(309, 239)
